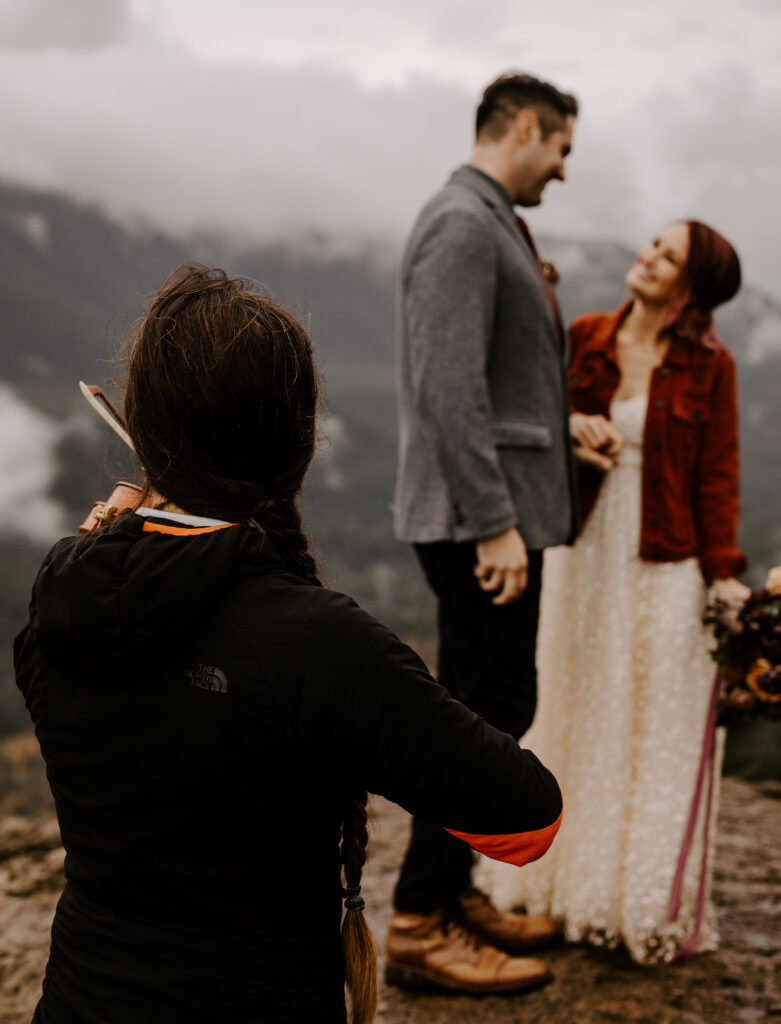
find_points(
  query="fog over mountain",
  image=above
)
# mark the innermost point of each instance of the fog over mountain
(74, 281)
(28, 469)
(274, 119)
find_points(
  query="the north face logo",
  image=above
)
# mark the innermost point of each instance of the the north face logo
(208, 677)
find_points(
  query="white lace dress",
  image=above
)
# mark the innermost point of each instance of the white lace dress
(625, 683)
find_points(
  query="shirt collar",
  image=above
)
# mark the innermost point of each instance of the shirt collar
(501, 191)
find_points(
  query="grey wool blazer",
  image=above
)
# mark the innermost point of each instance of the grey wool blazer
(483, 407)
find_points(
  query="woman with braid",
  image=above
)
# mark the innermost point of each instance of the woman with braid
(212, 718)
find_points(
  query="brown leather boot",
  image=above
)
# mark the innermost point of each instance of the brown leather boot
(511, 932)
(430, 952)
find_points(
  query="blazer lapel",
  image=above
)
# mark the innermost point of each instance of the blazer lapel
(506, 217)
(500, 209)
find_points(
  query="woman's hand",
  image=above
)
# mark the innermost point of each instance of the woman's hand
(729, 592)
(596, 440)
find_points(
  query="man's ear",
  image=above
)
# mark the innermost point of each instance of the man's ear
(527, 126)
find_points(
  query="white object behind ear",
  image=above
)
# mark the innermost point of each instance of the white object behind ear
(105, 410)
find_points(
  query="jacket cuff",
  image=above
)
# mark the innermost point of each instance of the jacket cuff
(722, 563)
(517, 848)
(481, 529)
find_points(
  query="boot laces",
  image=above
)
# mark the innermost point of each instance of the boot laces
(476, 893)
(453, 924)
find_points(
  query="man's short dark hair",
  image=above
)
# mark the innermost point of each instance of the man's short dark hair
(510, 93)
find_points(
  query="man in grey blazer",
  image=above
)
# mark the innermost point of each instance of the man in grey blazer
(484, 485)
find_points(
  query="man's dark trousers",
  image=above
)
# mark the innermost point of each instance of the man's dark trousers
(486, 660)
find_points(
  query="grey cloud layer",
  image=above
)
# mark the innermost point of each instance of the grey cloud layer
(28, 467)
(267, 152)
(73, 24)
(280, 154)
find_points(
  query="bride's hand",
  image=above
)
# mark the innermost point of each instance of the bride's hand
(597, 441)
(729, 592)
(592, 458)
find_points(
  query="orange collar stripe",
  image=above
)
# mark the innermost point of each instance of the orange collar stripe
(184, 531)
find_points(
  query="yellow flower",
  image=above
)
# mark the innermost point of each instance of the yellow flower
(773, 582)
(760, 669)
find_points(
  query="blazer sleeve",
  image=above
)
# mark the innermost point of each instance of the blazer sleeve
(716, 484)
(448, 297)
(369, 710)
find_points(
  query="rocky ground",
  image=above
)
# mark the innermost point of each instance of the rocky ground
(740, 983)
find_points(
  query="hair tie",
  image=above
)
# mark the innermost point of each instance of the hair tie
(352, 898)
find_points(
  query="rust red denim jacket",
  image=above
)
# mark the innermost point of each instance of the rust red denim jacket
(690, 448)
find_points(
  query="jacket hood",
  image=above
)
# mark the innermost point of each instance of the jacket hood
(127, 591)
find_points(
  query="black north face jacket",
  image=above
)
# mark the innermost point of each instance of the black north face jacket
(205, 717)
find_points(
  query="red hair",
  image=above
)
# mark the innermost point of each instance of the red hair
(710, 277)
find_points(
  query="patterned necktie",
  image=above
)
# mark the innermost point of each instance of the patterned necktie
(523, 227)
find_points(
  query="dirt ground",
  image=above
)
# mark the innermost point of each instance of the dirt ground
(742, 982)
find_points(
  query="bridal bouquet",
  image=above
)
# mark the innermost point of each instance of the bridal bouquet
(748, 652)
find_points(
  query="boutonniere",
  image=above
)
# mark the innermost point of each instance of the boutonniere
(549, 272)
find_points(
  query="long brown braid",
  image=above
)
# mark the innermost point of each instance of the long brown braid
(360, 955)
(221, 405)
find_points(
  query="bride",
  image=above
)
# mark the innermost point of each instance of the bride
(626, 679)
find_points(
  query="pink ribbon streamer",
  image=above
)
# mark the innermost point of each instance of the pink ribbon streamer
(705, 768)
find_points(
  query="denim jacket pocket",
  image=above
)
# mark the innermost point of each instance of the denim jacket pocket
(690, 411)
(687, 421)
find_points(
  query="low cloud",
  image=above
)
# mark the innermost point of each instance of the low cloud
(764, 341)
(267, 154)
(28, 469)
(332, 451)
(710, 151)
(71, 25)
(272, 153)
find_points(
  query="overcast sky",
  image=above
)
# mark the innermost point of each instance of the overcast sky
(282, 118)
